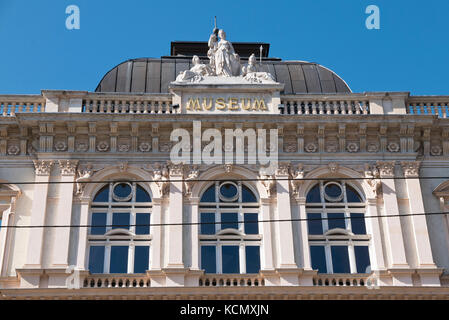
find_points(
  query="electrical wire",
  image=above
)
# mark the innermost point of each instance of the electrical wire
(206, 223)
(224, 180)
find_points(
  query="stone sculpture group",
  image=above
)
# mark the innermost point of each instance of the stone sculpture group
(223, 62)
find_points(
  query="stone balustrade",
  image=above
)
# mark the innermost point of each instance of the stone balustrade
(309, 104)
(12, 104)
(429, 105)
(117, 281)
(99, 103)
(321, 104)
(235, 280)
(353, 280)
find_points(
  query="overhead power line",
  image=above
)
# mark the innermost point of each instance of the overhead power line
(206, 223)
(224, 180)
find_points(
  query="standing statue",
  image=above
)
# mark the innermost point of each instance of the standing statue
(225, 59)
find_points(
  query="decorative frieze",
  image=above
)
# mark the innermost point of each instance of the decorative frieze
(43, 167)
(68, 167)
(283, 169)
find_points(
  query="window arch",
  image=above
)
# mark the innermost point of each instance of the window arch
(229, 231)
(337, 230)
(119, 237)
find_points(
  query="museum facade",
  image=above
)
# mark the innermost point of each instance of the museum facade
(219, 172)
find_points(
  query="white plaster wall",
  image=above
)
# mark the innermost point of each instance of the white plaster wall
(438, 229)
(19, 237)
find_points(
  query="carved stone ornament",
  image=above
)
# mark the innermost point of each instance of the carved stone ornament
(267, 181)
(411, 168)
(228, 167)
(290, 147)
(311, 147)
(60, 146)
(372, 178)
(123, 148)
(297, 174)
(84, 176)
(160, 177)
(145, 147)
(393, 147)
(82, 147)
(386, 168)
(372, 147)
(68, 167)
(165, 147)
(332, 147)
(43, 167)
(13, 150)
(103, 146)
(333, 167)
(283, 169)
(436, 151)
(188, 182)
(352, 147)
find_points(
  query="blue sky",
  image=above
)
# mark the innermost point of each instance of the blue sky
(410, 52)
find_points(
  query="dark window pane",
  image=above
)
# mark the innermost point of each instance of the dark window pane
(208, 262)
(102, 195)
(340, 259)
(228, 190)
(119, 259)
(209, 194)
(122, 190)
(248, 195)
(318, 257)
(98, 223)
(230, 258)
(120, 220)
(142, 223)
(252, 259)
(352, 195)
(142, 195)
(314, 195)
(336, 220)
(315, 223)
(333, 190)
(229, 220)
(208, 218)
(96, 259)
(362, 259)
(251, 225)
(358, 223)
(141, 258)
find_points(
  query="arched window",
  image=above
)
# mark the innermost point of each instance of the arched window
(229, 231)
(337, 232)
(119, 236)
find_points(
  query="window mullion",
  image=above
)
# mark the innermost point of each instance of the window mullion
(218, 264)
(107, 258)
(352, 260)
(242, 258)
(131, 252)
(327, 251)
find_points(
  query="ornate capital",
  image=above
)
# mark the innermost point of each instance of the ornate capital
(43, 167)
(176, 169)
(372, 178)
(68, 167)
(267, 181)
(411, 168)
(283, 169)
(386, 168)
(295, 183)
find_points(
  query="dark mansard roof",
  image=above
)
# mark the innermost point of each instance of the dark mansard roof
(152, 75)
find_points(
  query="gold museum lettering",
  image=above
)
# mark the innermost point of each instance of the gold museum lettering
(232, 104)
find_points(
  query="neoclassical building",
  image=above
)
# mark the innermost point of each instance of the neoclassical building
(115, 193)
